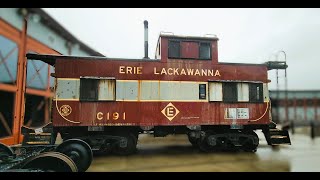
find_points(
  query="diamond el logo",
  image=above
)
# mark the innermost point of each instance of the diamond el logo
(170, 111)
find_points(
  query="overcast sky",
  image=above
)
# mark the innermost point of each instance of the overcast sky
(245, 35)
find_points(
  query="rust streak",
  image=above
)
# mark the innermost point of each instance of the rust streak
(139, 89)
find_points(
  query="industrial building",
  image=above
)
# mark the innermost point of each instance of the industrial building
(26, 86)
(296, 107)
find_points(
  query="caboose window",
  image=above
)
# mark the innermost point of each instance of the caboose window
(243, 92)
(89, 89)
(256, 92)
(97, 89)
(215, 91)
(205, 50)
(202, 91)
(174, 49)
(230, 92)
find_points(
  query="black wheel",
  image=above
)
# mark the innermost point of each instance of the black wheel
(212, 143)
(193, 141)
(79, 151)
(249, 145)
(50, 161)
(205, 145)
(131, 145)
(5, 152)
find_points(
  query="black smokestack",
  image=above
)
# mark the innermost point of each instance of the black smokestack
(146, 39)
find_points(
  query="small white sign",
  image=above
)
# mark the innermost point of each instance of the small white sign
(230, 113)
(236, 113)
(38, 131)
(242, 113)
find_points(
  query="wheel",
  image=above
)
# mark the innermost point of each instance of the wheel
(205, 145)
(50, 161)
(193, 141)
(212, 143)
(5, 152)
(79, 151)
(249, 145)
(131, 145)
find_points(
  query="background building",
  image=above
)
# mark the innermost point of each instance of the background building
(302, 107)
(45, 36)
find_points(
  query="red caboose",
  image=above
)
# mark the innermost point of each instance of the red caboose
(108, 102)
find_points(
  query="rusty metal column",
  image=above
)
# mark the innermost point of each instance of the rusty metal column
(305, 109)
(21, 85)
(285, 89)
(316, 109)
(312, 130)
(295, 115)
(312, 123)
(47, 99)
(286, 94)
(278, 98)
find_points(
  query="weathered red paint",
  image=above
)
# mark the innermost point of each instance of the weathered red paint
(163, 39)
(149, 113)
(110, 68)
(141, 113)
(189, 50)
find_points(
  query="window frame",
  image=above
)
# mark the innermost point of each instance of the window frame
(174, 40)
(235, 100)
(250, 84)
(199, 45)
(205, 91)
(114, 91)
(209, 91)
(210, 49)
(81, 98)
(99, 79)
(241, 92)
(261, 98)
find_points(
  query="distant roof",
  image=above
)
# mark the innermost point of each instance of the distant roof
(292, 94)
(54, 25)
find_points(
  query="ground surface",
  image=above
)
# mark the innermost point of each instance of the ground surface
(174, 153)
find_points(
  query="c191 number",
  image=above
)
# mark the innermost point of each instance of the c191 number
(111, 116)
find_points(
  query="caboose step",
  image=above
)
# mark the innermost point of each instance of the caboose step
(38, 139)
(278, 137)
(42, 135)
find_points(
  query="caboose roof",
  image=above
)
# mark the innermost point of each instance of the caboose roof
(211, 37)
(51, 59)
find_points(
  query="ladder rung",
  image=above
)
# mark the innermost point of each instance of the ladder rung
(278, 136)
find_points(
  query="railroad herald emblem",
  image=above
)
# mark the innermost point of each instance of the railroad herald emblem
(170, 111)
(65, 110)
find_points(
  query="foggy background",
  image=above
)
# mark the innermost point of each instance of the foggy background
(245, 35)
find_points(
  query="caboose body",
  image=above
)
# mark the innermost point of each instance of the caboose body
(108, 102)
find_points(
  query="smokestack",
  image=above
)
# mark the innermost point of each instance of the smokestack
(146, 39)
